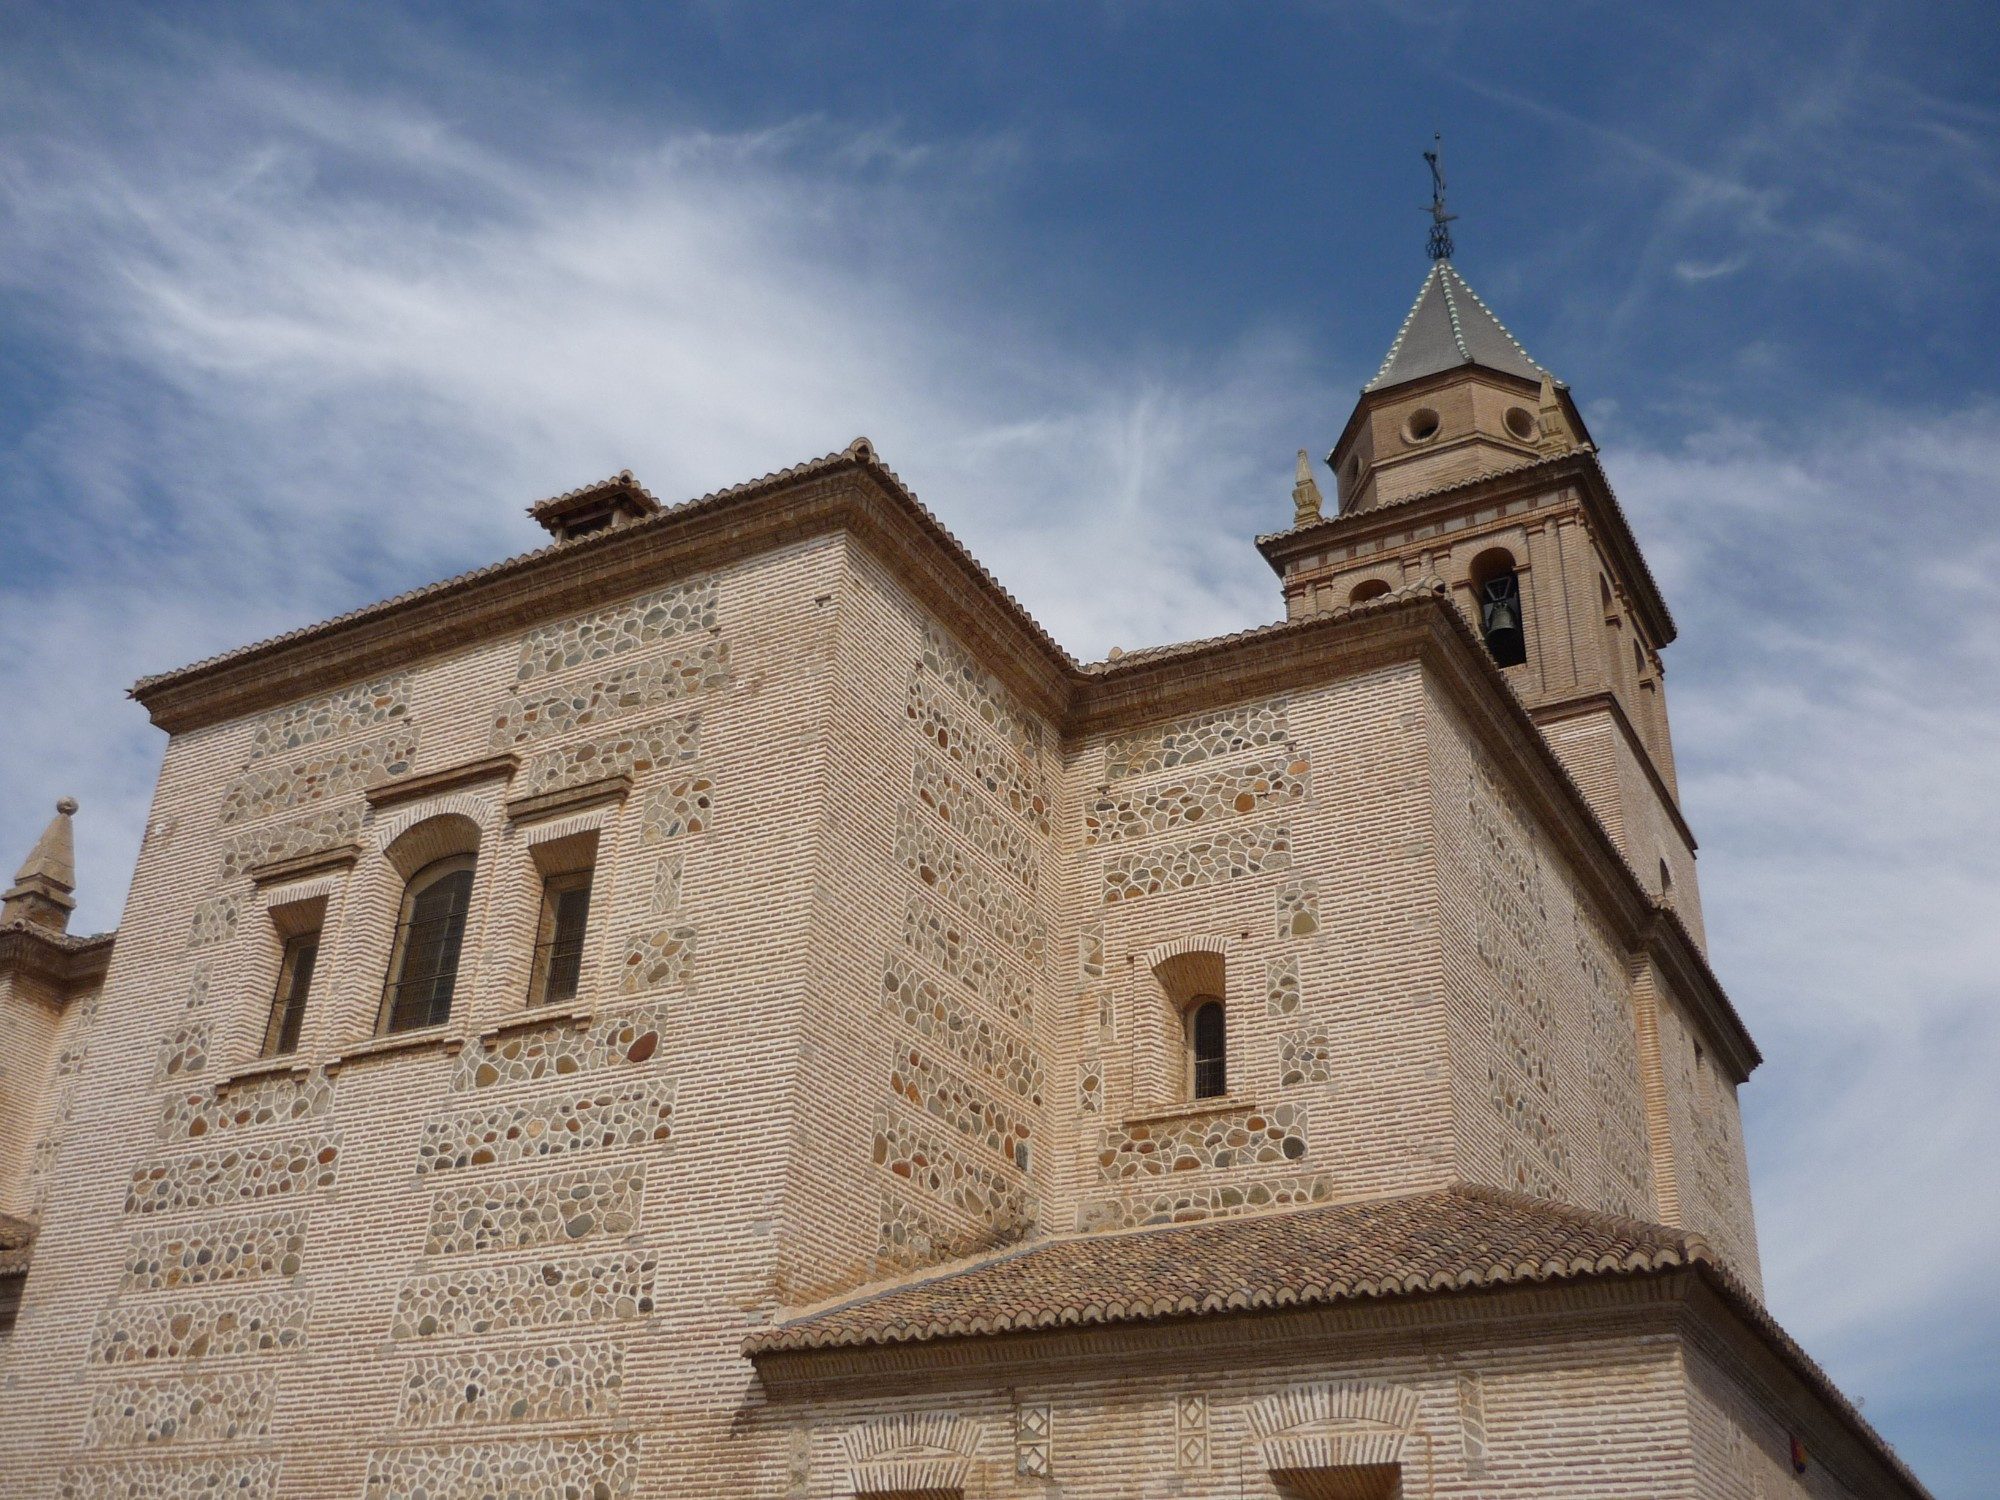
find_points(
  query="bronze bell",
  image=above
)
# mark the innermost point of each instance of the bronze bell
(1501, 613)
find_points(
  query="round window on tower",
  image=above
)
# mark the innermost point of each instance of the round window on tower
(1521, 423)
(1420, 426)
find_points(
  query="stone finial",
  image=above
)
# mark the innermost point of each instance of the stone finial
(1305, 494)
(1554, 429)
(40, 894)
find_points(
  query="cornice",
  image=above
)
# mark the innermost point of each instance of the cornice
(65, 963)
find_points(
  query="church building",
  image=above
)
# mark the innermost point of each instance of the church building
(725, 1005)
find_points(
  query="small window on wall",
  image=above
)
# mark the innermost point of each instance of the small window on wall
(288, 1002)
(1368, 588)
(1208, 1048)
(423, 971)
(558, 966)
(1496, 588)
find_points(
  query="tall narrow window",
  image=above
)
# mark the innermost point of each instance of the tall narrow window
(1209, 1045)
(424, 968)
(288, 1002)
(559, 943)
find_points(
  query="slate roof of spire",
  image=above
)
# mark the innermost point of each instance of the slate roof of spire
(1449, 326)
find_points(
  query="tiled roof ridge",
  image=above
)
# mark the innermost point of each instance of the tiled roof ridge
(860, 454)
(69, 942)
(1506, 332)
(1403, 332)
(1430, 585)
(1445, 280)
(622, 480)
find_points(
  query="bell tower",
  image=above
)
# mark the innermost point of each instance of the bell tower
(1464, 459)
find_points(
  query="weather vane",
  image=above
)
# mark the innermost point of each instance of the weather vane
(1440, 242)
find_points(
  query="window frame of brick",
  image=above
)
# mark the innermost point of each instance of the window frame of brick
(560, 937)
(414, 934)
(297, 966)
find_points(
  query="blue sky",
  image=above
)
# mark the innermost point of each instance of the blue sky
(300, 307)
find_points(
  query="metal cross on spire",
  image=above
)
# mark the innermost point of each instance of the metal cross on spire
(1440, 241)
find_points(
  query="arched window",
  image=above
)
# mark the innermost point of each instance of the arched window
(1208, 1048)
(1368, 588)
(423, 969)
(1496, 588)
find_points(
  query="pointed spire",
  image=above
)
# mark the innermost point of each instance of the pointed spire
(40, 894)
(1305, 494)
(1555, 433)
(1449, 326)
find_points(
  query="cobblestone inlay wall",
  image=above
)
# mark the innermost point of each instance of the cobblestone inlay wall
(559, 1050)
(477, 1298)
(1281, 986)
(943, 722)
(980, 689)
(1207, 859)
(1191, 1202)
(546, 712)
(928, 852)
(1203, 737)
(214, 922)
(1627, 1185)
(969, 815)
(990, 1197)
(248, 1173)
(240, 1247)
(941, 940)
(910, 1238)
(332, 717)
(1239, 1138)
(553, 1381)
(233, 1477)
(216, 1408)
(524, 1213)
(279, 785)
(253, 1323)
(666, 898)
(662, 960)
(678, 610)
(964, 1106)
(685, 805)
(1298, 909)
(278, 1099)
(932, 1011)
(1090, 952)
(1090, 1086)
(1202, 798)
(630, 752)
(601, 1468)
(1304, 1056)
(604, 1118)
(181, 1052)
(328, 828)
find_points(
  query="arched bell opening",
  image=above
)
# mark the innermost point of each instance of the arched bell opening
(1496, 589)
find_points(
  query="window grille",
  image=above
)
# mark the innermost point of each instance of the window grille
(288, 1001)
(558, 963)
(428, 943)
(1211, 1052)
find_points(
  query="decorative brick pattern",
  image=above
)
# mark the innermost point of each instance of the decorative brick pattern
(333, 717)
(1203, 737)
(1228, 854)
(931, 1011)
(666, 898)
(528, 718)
(1616, 1090)
(604, 1118)
(528, 1213)
(1191, 1432)
(134, 1333)
(559, 1050)
(943, 723)
(198, 981)
(203, 1409)
(603, 1468)
(1191, 1202)
(657, 961)
(181, 1053)
(928, 852)
(967, 814)
(328, 828)
(964, 1106)
(280, 785)
(680, 610)
(1304, 1056)
(236, 1477)
(1298, 909)
(536, 1294)
(278, 1099)
(1472, 1423)
(1281, 986)
(1034, 1441)
(214, 922)
(988, 1196)
(1090, 951)
(1090, 1086)
(943, 942)
(630, 752)
(684, 805)
(980, 689)
(246, 1247)
(250, 1173)
(554, 1381)
(1238, 1138)
(1206, 797)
